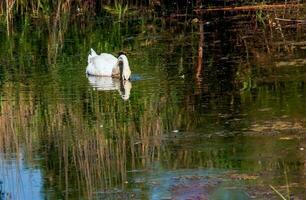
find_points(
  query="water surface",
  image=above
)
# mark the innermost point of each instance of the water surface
(231, 132)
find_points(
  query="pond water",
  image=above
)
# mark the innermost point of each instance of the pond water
(227, 123)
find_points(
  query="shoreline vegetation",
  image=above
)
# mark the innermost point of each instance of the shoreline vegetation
(38, 8)
(54, 13)
(56, 16)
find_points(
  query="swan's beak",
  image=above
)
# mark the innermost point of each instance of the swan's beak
(125, 76)
(126, 79)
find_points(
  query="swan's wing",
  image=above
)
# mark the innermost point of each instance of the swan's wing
(105, 60)
(103, 64)
(108, 57)
(112, 59)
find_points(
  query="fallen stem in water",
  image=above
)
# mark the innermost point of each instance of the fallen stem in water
(291, 20)
(247, 8)
(277, 192)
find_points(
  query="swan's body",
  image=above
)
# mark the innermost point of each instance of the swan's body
(108, 65)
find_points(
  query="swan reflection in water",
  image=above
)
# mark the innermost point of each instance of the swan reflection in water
(108, 83)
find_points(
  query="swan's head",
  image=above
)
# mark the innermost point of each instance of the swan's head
(125, 71)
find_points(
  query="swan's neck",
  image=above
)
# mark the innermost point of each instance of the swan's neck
(124, 67)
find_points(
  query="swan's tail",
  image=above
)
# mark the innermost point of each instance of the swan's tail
(92, 52)
(91, 55)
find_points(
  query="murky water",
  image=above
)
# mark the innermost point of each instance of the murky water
(235, 131)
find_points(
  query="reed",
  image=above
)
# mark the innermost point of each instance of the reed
(119, 9)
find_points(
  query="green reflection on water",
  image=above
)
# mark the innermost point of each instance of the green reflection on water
(89, 142)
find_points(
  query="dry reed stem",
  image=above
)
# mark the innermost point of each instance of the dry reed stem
(248, 8)
(291, 20)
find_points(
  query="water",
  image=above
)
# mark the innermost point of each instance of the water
(231, 133)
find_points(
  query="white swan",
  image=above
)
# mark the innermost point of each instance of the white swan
(108, 83)
(108, 65)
